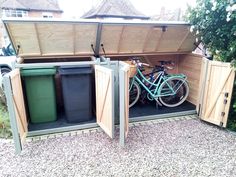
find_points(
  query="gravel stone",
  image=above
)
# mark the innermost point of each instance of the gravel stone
(179, 148)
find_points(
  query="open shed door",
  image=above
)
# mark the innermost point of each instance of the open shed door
(16, 107)
(217, 92)
(124, 101)
(104, 78)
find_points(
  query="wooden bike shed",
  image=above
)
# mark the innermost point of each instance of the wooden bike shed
(44, 43)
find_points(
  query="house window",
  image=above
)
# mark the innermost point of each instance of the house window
(47, 15)
(15, 13)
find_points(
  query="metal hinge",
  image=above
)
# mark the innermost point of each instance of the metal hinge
(226, 94)
(225, 101)
(221, 124)
(222, 114)
(199, 109)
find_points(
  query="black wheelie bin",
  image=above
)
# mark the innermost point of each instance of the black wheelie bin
(77, 92)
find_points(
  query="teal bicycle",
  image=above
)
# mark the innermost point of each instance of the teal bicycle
(169, 90)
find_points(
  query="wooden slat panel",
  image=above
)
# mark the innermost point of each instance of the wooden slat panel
(19, 104)
(85, 35)
(188, 44)
(220, 79)
(26, 37)
(191, 66)
(172, 38)
(133, 39)
(124, 101)
(46, 38)
(56, 38)
(153, 40)
(105, 99)
(111, 35)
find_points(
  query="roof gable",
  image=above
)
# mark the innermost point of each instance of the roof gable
(40, 5)
(115, 8)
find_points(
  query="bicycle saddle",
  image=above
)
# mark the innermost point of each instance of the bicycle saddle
(169, 62)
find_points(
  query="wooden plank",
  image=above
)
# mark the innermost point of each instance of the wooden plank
(191, 66)
(38, 39)
(111, 38)
(133, 39)
(183, 40)
(104, 99)
(19, 104)
(159, 41)
(172, 38)
(24, 36)
(145, 53)
(74, 41)
(85, 35)
(147, 38)
(124, 101)
(219, 91)
(220, 79)
(202, 84)
(56, 38)
(188, 43)
(120, 39)
(152, 39)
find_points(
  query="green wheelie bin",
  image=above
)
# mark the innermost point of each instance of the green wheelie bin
(40, 93)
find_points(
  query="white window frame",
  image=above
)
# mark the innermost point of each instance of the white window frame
(15, 13)
(47, 15)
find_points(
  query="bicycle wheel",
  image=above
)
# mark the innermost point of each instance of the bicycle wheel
(134, 93)
(178, 98)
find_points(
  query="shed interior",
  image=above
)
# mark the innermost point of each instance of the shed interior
(188, 64)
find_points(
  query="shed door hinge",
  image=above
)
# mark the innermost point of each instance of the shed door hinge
(225, 101)
(222, 114)
(226, 94)
(221, 124)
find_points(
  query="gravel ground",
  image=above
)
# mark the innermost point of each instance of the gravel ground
(182, 148)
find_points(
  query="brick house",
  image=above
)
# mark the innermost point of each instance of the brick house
(28, 9)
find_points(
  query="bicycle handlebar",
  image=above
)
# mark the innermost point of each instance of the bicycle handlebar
(163, 64)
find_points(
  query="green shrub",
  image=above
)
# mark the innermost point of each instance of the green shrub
(214, 23)
(232, 112)
(5, 130)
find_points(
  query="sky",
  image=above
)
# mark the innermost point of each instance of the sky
(76, 8)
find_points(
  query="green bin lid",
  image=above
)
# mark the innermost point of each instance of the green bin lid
(38, 71)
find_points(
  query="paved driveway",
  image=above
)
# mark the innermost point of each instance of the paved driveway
(179, 148)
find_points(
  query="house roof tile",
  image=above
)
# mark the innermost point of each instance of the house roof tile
(40, 5)
(115, 8)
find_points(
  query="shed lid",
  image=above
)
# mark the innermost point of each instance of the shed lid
(43, 38)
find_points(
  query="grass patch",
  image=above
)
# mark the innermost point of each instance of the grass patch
(5, 130)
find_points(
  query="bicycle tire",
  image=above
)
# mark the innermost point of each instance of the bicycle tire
(136, 98)
(183, 87)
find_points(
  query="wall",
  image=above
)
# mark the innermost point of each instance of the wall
(39, 14)
(190, 65)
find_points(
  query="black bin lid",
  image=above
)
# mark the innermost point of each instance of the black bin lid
(72, 70)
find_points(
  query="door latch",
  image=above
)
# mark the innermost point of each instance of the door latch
(222, 114)
(225, 101)
(226, 94)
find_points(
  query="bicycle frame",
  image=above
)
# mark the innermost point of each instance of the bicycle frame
(155, 93)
